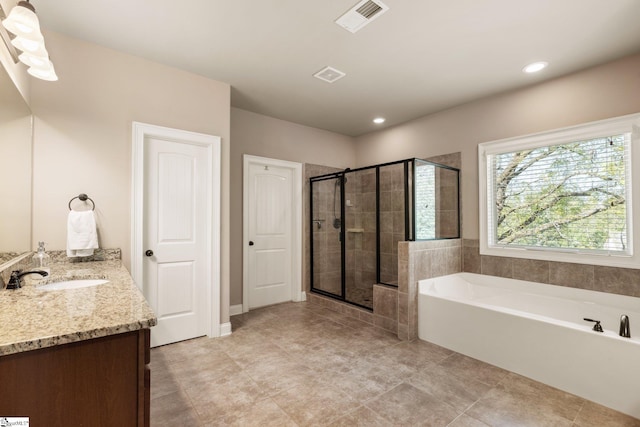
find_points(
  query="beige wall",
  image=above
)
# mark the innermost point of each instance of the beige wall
(82, 139)
(598, 93)
(264, 136)
(82, 136)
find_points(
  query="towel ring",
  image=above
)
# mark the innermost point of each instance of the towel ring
(83, 197)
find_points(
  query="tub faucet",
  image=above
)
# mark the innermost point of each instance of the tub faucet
(597, 326)
(15, 282)
(624, 326)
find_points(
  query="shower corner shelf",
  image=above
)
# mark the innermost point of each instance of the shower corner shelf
(355, 230)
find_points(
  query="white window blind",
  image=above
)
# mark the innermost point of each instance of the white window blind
(425, 188)
(569, 196)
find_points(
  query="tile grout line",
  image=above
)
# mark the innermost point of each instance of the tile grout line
(267, 329)
(182, 390)
(584, 402)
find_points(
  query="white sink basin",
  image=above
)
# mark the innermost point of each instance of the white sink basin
(72, 284)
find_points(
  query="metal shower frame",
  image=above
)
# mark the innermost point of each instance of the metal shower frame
(409, 218)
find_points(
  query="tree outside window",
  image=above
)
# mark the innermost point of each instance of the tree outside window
(569, 196)
(565, 195)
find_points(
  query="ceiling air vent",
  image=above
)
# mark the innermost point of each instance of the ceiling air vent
(361, 14)
(329, 74)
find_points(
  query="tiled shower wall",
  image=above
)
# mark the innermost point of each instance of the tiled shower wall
(394, 309)
(327, 264)
(360, 213)
(418, 261)
(360, 230)
(447, 203)
(360, 194)
(615, 280)
(392, 220)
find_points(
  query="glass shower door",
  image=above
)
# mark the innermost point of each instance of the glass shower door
(360, 237)
(326, 223)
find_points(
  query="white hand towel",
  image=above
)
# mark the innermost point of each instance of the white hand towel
(82, 236)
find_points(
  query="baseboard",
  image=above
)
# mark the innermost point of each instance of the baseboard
(225, 329)
(235, 310)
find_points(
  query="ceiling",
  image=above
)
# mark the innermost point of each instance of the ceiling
(420, 57)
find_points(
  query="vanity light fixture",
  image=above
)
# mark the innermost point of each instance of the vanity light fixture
(379, 120)
(24, 24)
(44, 73)
(534, 67)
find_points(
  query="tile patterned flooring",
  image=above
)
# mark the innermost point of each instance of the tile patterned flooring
(297, 364)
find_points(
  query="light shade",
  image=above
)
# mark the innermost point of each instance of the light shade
(32, 47)
(47, 73)
(23, 22)
(34, 60)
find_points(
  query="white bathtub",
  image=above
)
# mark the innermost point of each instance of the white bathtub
(537, 330)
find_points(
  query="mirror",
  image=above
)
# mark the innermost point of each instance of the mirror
(15, 170)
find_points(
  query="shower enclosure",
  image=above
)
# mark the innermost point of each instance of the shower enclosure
(359, 216)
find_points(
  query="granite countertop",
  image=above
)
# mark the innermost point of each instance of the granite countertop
(31, 318)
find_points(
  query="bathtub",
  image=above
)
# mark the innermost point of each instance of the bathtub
(536, 330)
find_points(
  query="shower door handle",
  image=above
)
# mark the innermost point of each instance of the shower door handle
(250, 242)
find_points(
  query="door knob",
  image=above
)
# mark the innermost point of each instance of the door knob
(250, 242)
(149, 252)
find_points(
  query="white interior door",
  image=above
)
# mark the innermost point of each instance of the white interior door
(177, 212)
(271, 231)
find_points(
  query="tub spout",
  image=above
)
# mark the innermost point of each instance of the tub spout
(624, 326)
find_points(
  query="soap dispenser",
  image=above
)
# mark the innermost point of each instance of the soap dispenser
(41, 259)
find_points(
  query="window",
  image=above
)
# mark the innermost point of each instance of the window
(564, 195)
(425, 189)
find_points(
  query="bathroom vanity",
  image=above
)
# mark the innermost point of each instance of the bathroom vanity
(76, 357)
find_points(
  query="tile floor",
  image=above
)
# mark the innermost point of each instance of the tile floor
(298, 364)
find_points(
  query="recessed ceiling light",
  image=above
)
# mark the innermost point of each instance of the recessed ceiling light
(379, 120)
(535, 67)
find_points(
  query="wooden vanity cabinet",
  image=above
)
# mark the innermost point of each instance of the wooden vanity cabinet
(97, 382)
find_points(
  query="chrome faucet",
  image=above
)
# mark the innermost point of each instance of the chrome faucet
(624, 326)
(15, 282)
